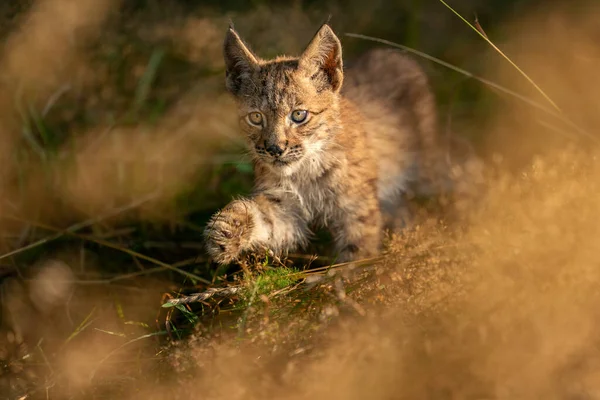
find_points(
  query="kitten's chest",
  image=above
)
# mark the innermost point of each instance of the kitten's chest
(318, 198)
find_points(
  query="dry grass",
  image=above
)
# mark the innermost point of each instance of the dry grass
(496, 300)
(503, 308)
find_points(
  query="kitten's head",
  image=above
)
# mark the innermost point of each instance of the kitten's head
(287, 106)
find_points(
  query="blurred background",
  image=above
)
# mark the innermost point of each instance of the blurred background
(118, 141)
(114, 112)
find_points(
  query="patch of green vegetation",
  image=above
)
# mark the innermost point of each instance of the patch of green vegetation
(271, 281)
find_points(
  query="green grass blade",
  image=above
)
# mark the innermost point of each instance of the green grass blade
(146, 81)
(119, 334)
(82, 326)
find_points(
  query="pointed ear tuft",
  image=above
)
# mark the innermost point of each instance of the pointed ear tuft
(239, 61)
(323, 59)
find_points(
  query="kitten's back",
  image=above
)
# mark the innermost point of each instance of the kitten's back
(393, 93)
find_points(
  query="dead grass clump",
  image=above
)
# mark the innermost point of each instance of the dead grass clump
(513, 318)
(502, 308)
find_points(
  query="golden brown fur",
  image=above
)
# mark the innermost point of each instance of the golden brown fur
(345, 166)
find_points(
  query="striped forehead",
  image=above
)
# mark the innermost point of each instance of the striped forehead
(276, 85)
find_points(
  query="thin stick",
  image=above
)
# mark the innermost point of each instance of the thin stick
(125, 250)
(144, 257)
(337, 266)
(76, 227)
(199, 297)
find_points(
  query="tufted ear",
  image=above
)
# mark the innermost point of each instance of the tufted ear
(323, 59)
(240, 62)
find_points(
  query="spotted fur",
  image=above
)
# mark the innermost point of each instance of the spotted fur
(361, 147)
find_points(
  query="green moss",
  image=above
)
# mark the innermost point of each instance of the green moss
(272, 280)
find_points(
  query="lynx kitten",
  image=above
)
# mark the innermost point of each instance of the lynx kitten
(340, 156)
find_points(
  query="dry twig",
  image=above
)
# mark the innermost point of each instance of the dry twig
(207, 294)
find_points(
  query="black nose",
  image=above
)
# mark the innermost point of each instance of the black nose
(275, 150)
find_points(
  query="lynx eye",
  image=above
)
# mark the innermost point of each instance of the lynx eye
(255, 118)
(299, 116)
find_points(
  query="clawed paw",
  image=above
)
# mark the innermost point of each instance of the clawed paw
(229, 231)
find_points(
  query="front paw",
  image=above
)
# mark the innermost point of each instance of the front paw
(229, 231)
